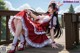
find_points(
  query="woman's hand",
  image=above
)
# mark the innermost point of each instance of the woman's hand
(30, 13)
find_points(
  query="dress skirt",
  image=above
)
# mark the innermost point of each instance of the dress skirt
(34, 32)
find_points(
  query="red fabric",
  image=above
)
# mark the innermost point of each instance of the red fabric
(40, 27)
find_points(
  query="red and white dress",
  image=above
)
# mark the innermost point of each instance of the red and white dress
(34, 31)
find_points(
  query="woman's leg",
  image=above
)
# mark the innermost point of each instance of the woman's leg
(22, 42)
(19, 33)
(52, 38)
(18, 27)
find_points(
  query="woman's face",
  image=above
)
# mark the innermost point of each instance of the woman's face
(50, 10)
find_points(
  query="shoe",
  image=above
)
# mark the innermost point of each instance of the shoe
(13, 51)
(23, 43)
(21, 49)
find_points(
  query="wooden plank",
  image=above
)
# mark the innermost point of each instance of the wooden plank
(68, 31)
(0, 28)
(5, 42)
(62, 17)
(77, 29)
(7, 29)
(4, 12)
(77, 34)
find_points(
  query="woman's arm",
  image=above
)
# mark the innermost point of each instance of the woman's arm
(31, 14)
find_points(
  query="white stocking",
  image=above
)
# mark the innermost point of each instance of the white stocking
(14, 42)
(21, 41)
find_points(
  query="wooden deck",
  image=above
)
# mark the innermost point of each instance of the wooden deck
(48, 49)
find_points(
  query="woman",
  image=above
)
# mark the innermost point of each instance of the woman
(34, 31)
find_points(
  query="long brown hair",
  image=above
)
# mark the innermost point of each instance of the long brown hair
(57, 30)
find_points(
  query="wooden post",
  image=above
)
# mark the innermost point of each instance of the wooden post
(0, 28)
(69, 31)
(7, 29)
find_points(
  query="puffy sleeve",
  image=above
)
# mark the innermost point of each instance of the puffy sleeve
(53, 22)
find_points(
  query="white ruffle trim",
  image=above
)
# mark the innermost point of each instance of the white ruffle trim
(46, 42)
